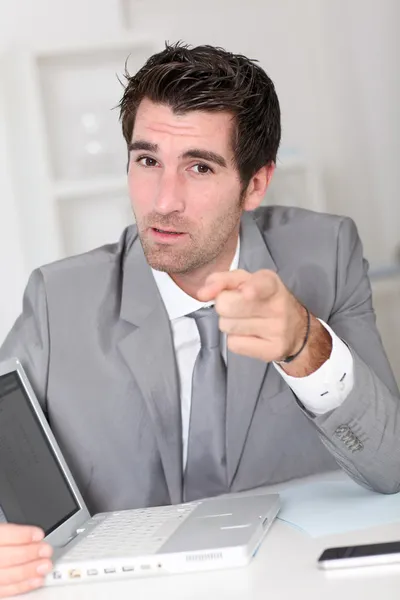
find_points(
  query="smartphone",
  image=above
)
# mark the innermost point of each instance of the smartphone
(360, 556)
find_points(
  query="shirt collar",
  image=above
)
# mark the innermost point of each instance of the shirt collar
(176, 301)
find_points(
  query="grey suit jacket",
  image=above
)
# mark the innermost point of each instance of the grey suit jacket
(95, 340)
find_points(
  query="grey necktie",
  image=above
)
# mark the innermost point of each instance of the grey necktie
(205, 473)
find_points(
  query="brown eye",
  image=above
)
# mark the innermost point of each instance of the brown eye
(146, 161)
(202, 169)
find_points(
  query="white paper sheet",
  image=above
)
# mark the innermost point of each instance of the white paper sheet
(330, 507)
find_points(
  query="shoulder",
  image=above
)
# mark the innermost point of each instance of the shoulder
(291, 231)
(95, 265)
(82, 289)
(317, 255)
(272, 218)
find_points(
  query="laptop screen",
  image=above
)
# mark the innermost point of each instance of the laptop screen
(33, 488)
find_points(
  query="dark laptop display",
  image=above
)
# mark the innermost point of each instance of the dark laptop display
(33, 489)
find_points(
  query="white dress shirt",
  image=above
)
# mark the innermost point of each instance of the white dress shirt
(320, 392)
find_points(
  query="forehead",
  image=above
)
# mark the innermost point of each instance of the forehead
(158, 123)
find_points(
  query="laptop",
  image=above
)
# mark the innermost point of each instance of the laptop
(37, 488)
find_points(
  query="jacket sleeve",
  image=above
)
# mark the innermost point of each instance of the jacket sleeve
(363, 433)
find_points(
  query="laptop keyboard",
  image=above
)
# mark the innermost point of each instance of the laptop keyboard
(130, 533)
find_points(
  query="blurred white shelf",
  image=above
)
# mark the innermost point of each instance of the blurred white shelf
(60, 97)
(101, 186)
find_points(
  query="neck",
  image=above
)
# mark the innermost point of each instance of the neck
(193, 281)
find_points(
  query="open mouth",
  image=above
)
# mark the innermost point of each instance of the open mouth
(163, 235)
(167, 232)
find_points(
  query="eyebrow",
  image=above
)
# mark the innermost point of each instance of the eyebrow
(143, 145)
(191, 153)
(205, 155)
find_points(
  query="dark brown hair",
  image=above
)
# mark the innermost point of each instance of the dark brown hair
(211, 79)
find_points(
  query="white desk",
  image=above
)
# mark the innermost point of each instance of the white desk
(284, 569)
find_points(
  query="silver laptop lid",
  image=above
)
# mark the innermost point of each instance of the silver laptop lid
(36, 486)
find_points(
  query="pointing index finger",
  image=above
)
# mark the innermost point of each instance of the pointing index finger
(262, 285)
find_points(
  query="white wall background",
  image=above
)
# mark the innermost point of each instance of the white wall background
(335, 64)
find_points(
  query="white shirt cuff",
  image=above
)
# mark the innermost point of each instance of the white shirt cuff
(328, 387)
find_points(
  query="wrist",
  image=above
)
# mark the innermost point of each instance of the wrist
(301, 339)
(316, 352)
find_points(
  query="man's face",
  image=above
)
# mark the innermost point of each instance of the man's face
(184, 187)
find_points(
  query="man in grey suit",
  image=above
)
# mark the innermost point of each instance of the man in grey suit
(150, 402)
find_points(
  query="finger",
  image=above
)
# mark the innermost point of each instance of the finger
(254, 347)
(20, 588)
(266, 329)
(11, 534)
(260, 286)
(217, 282)
(234, 304)
(33, 570)
(19, 555)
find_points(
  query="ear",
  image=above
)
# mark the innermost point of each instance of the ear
(258, 186)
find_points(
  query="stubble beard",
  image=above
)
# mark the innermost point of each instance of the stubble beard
(199, 250)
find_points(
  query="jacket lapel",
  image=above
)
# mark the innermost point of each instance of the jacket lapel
(149, 353)
(245, 375)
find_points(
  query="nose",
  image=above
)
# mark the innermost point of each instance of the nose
(169, 196)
